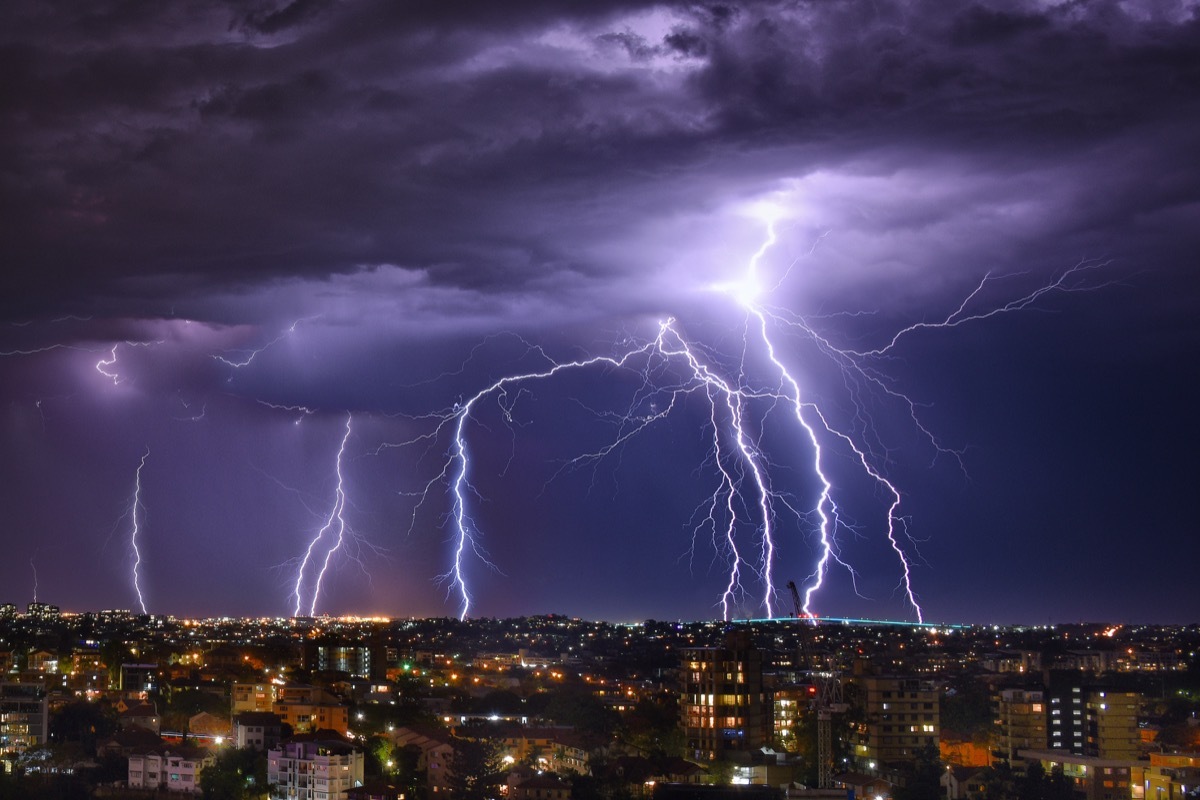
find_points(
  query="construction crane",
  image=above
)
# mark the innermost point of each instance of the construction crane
(826, 702)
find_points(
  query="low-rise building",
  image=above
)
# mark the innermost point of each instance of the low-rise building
(308, 708)
(253, 696)
(435, 751)
(261, 730)
(1094, 778)
(174, 770)
(542, 787)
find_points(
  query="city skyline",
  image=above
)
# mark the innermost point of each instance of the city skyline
(272, 275)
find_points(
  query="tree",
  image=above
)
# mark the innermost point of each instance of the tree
(579, 708)
(235, 775)
(998, 782)
(83, 722)
(924, 781)
(1032, 785)
(409, 777)
(183, 704)
(473, 769)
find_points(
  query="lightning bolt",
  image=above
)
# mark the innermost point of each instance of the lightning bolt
(104, 365)
(303, 411)
(335, 529)
(136, 529)
(672, 368)
(254, 353)
(33, 566)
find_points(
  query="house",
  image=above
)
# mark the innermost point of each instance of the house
(209, 725)
(964, 783)
(868, 787)
(124, 743)
(436, 752)
(176, 770)
(374, 790)
(542, 787)
(261, 730)
(139, 715)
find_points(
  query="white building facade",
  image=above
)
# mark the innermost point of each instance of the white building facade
(313, 770)
(174, 772)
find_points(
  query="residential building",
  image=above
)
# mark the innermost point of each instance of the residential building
(724, 706)
(1094, 778)
(1112, 725)
(542, 787)
(435, 750)
(868, 787)
(308, 708)
(900, 717)
(253, 696)
(314, 769)
(43, 611)
(138, 715)
(174, 770)
(1171, 776)
(261, 730)
(964, 783)
(138, 678)
(1020, 719)
(1091, 720)
(791, 703)
(355, 659)
(24, 717)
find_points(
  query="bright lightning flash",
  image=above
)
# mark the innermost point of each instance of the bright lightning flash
(334, 536)
(670, 368)
(107, 366)
(136, 529)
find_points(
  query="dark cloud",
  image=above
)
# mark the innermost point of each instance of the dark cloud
(413, 179)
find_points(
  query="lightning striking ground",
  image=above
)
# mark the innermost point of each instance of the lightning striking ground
(331, 538)
(749, 505)
(669, 369)
(136, 530)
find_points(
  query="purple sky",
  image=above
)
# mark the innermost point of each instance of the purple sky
(401, 203)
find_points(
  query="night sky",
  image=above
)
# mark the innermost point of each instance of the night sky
(229, 230)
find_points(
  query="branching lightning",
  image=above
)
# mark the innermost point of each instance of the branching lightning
(671, 368)
(335, 536)
(248, 356)
(107, 366)
(303, 411)
(746, 510)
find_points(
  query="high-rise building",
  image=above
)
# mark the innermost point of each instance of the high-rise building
(724, 706)
(901, 715)
(1020, 723)
(1112, 725)
(1092, 720)
(791, 703)
(355, 659)
(45, 611)
(24, 717)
